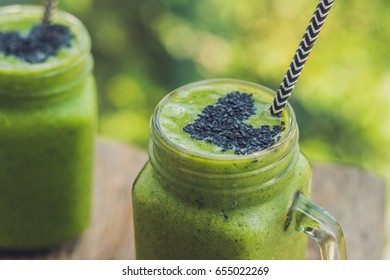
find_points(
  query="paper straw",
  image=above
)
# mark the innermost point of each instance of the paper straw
(50, 6)
(300, 57)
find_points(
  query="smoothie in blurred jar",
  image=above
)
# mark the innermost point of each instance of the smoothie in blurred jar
(47, 128)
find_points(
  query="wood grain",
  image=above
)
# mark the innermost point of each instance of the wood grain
(355, 198)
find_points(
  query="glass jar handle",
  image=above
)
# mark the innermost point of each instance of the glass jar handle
(319, 225)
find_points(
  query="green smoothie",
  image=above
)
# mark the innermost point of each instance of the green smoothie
(185, 106)
(47, 129)
(194, 200)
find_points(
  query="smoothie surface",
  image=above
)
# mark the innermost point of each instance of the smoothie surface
(22, 22)
(41, 42)
(184, 106)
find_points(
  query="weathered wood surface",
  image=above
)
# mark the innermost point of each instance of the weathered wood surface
(357, 199)
(354, 197)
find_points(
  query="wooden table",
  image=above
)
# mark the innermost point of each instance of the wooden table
(354, 197)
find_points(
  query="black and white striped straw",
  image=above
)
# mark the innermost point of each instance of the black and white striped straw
(300, 57)
(50, 6)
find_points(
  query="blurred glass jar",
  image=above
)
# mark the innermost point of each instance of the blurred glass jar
(47, 130)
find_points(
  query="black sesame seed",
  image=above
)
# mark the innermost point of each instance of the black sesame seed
(222, 124)
(42, 41)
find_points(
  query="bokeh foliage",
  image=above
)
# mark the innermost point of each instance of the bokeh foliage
(143, 49)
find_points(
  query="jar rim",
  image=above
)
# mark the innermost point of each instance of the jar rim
(159, 137)
(50, 67)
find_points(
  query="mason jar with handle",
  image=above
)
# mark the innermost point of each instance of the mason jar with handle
(47, 130)
(194, 200)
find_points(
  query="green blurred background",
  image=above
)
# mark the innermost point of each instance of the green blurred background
(143, 49)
